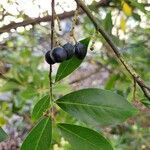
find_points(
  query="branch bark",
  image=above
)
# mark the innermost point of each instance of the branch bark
(14, 25)
(136, 77)
(52, 45)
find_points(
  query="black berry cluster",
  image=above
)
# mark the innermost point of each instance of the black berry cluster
(60, 54)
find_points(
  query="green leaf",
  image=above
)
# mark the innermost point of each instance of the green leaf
(40, 107)
(39, 137)
(61, 89)
(67, 67)
(97, 107)
(82, 138)
(108, 23)
(29, 92)
(146, 102)
(111, 82)
(140, 6)
(136, 16)
(9, 86)
(3, 135)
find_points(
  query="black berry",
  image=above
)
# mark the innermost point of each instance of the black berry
(58, 54)
(48, 58)
(80, 50)
(70, 49)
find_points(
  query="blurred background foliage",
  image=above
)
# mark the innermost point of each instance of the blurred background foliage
(24, 73)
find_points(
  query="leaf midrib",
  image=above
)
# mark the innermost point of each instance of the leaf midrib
(37, 114)
(59, 75)
(79, 136)
(41, 134)
(89, 105)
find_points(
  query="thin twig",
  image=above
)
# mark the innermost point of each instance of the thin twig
(134, 89)
(52, 44)
(115, 49)
(34, 21)
(28, 21)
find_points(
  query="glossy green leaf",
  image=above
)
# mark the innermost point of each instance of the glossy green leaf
(40, 107)
(96, 106)
(39, 137)
(67, 67)
(3, 135)
(82, 138)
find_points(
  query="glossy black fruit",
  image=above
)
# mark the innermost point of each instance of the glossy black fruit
(80, 50)
(48, 58)
(58, 54)
(70, 49)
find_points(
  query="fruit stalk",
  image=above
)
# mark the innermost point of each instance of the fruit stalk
(52, 45)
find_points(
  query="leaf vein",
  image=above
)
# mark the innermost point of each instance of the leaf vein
(79, 136)
(41, 108)
(89, 105)
(41, 134)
